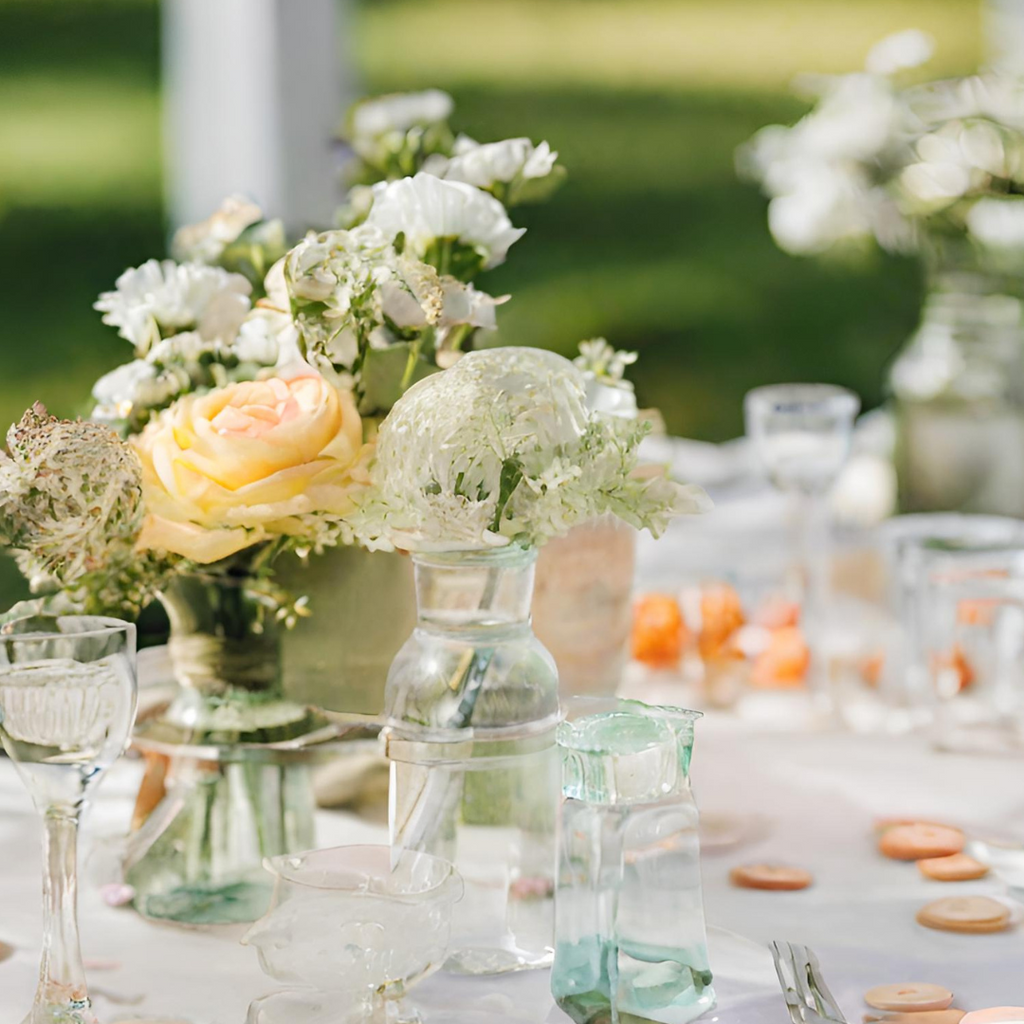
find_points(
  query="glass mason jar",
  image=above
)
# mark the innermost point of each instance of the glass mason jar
(958, 387)
(229, 798)
(630, 939)
(472, 706)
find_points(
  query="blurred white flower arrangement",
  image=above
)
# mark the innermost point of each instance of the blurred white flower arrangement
(400, 135)
(905, 165)
(502, 449)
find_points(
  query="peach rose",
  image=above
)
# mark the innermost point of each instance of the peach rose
(227, 469)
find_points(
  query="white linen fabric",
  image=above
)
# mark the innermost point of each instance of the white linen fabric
(808, 800)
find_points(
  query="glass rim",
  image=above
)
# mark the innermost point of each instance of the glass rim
(449, 875)
(506, 554)
(106, 625)
(668, 714)
(794, 397)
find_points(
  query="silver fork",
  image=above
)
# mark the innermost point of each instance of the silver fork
(807, 996)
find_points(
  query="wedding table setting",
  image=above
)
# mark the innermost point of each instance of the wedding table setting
(396, 675)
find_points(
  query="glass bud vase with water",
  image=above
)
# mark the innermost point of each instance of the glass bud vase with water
(472, 707)
(631, 944)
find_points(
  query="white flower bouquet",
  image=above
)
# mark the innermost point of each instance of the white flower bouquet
(909, 166)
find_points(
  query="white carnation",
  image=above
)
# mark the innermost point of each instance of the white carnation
(206, 241)
(484, 165)
(425, 208)
(164, 297)
(901, 50)
(398, 112)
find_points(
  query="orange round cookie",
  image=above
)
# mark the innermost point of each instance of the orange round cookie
(911, 997)
(920, 842)
(956, 868)
(772, 877)
(950, 1016)
(996, 1015)
(977, 914)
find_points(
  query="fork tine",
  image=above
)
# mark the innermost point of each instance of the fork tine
(827, 1006)
(782, 955)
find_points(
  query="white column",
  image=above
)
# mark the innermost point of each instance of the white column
(253, 94)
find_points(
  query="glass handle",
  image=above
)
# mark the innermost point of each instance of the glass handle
(61, 974)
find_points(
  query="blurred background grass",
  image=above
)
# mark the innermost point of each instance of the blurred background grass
(652, 242)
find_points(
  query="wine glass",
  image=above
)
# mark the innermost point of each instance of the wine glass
(802, 434)
(67, 703)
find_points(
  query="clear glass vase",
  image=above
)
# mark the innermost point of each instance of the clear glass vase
(232, 794)
(472, 707)
(958, 389)
(631, 943)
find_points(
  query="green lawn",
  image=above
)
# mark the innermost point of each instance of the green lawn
(652, 241)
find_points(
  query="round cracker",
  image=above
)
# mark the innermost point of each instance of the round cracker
(911, 997)
(770, 877)
(920, 842)
(958, 867)
(969, 914)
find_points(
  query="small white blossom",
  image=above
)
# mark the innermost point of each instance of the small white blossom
(998, 223)
(902, 50)
(485, 164)
(398, 112)
(164, 297)
(206, 241)
(425, 210)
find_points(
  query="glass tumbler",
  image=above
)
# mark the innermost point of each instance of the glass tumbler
(630, 939)
(801, 434)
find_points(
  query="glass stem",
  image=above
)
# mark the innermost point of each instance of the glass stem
(816, 554)
(61, 974)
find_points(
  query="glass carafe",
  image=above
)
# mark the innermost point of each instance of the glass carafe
(472, 705)
(631, 943)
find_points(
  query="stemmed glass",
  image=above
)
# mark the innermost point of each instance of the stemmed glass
(67, 703)
(802, 434)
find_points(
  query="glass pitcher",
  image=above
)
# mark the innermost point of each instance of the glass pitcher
(471, 706)
(630, 939)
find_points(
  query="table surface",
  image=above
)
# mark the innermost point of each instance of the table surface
(804, 799)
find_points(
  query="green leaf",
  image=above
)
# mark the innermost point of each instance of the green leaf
(387, 373)
(511, 477)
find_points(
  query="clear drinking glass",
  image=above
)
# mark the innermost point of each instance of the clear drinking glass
(802, 434)
(913, 546)
(630, 938)
(972, 612)
(67, 703)
(353, 931)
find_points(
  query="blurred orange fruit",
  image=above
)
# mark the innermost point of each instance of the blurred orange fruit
(659, 632)
(721, 614)
(785, 661)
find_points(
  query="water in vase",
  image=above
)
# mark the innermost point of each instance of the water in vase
(630, 935)
(472, 706)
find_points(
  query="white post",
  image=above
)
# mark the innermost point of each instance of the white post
(253, 94)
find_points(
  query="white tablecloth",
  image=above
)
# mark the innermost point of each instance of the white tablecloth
(808, 799)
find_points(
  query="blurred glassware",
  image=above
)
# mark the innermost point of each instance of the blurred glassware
(973, 649)
(630, 939)
(471, 706)
(67, 703)
(958, 386)
(802, 435)
(354, 928)
(889, 688)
